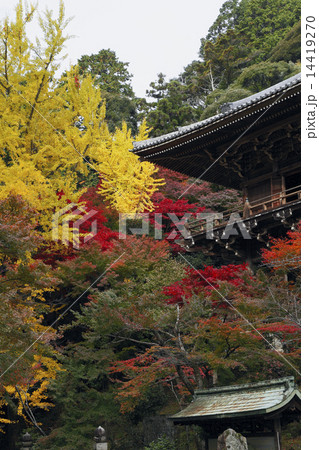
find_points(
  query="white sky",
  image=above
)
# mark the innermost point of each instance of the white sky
(153, 36)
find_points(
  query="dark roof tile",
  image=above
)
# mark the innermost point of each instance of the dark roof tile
(234, 106)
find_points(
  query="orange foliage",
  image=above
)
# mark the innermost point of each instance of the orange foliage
(284, 253)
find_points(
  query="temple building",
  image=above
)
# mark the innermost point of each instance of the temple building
(254, 146)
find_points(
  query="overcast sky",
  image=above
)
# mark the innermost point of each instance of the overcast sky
(153, 36)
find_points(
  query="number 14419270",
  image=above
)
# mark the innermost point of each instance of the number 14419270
(311, 46)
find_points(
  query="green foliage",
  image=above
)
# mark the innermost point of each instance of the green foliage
(84, 401)
(185, 438)
(189, 437)
(291, 436)
(158, 88)
(266, 22)
(226, 20)
(198, 260)
(248, 32)
(110, 74)
(114, 80)
(227, 56)
(162, 443)
(258, 26)
(172, 108)
(198, 83)
(220, 96)
(288, 49)
(265, 74)
(90, 349)
(119, 108)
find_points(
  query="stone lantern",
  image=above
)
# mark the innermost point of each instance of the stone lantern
(27, 442)
(100, 439)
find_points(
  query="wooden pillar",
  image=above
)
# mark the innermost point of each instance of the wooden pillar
(276, 189)
(283, 189)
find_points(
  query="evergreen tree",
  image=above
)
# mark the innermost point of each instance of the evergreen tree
(288, 49)
(172, 108)
(114, 80)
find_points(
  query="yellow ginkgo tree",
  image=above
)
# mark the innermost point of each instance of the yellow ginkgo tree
(52, 129)
(126, 182)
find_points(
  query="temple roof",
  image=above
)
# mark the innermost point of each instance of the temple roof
(228, 110)
(241, 400)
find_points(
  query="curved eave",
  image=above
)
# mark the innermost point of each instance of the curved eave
(163, 144)
(294, 396)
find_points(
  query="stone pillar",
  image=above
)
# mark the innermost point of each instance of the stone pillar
(230, 440)
(100, 439)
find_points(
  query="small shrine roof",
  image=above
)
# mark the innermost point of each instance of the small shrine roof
(241, 400)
